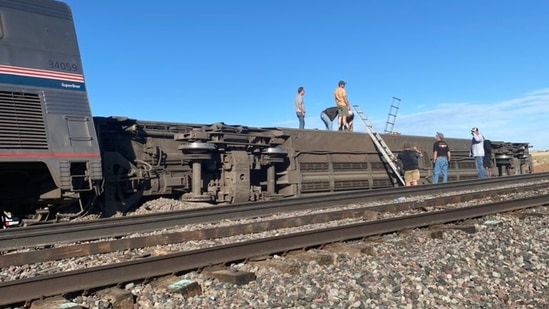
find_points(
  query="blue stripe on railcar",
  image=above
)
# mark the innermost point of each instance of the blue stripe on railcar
(41, 82)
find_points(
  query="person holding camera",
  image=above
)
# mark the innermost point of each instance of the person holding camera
(477, 152)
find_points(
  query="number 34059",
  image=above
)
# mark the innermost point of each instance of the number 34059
(63, 66)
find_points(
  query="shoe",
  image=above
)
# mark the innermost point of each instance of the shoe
(8, 220)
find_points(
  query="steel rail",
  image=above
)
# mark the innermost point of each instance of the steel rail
(106, 246)
(44, 235)
(49, 285)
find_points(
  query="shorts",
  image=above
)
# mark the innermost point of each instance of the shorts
(342, 111)
(487, 161)
(411, 176)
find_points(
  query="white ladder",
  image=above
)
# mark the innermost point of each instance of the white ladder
(378, 141)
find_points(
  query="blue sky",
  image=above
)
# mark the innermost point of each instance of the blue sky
(454, 64)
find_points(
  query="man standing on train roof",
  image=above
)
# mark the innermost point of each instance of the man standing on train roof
(328, 115)
(441, 158)
(477, 152)
(342, 103)
(300, 107)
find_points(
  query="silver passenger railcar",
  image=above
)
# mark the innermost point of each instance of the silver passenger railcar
(49, 155)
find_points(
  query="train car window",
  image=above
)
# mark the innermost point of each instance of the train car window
(1, 28)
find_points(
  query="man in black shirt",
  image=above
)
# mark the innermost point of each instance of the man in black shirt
(409, 159)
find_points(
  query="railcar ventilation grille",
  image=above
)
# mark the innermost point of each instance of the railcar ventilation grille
(353, 166)
(313, 166)
(351, 184)
(21, 121)
(317, 186)
(382, 183)
(378, 166)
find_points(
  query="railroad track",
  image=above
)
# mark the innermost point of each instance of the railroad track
(257, 226)
(33, 288)
(46, 235)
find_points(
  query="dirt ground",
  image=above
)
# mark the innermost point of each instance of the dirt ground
(541, 161)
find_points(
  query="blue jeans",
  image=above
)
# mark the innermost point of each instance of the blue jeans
(301, 118)
(479, 164)
(441, 166)
(327, 122)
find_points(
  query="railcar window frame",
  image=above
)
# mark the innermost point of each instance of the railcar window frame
(1, 28)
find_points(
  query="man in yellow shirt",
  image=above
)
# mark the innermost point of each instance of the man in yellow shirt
(342, 104)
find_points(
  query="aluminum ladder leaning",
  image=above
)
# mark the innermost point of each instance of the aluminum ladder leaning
(379, 142)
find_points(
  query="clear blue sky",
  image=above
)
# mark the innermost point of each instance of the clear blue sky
(454, 64)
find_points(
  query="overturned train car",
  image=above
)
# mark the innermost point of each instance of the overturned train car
(57, 161)
(229, 164)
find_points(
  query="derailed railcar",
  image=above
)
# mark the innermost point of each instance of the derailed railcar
(222, 163)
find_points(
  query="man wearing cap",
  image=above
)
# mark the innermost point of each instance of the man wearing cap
(410, 165)
(477, 152)
(342, 104)
(441, 158)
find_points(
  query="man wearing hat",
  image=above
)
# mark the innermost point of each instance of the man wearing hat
(441, 158)
(477, 152)
(342, 104)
